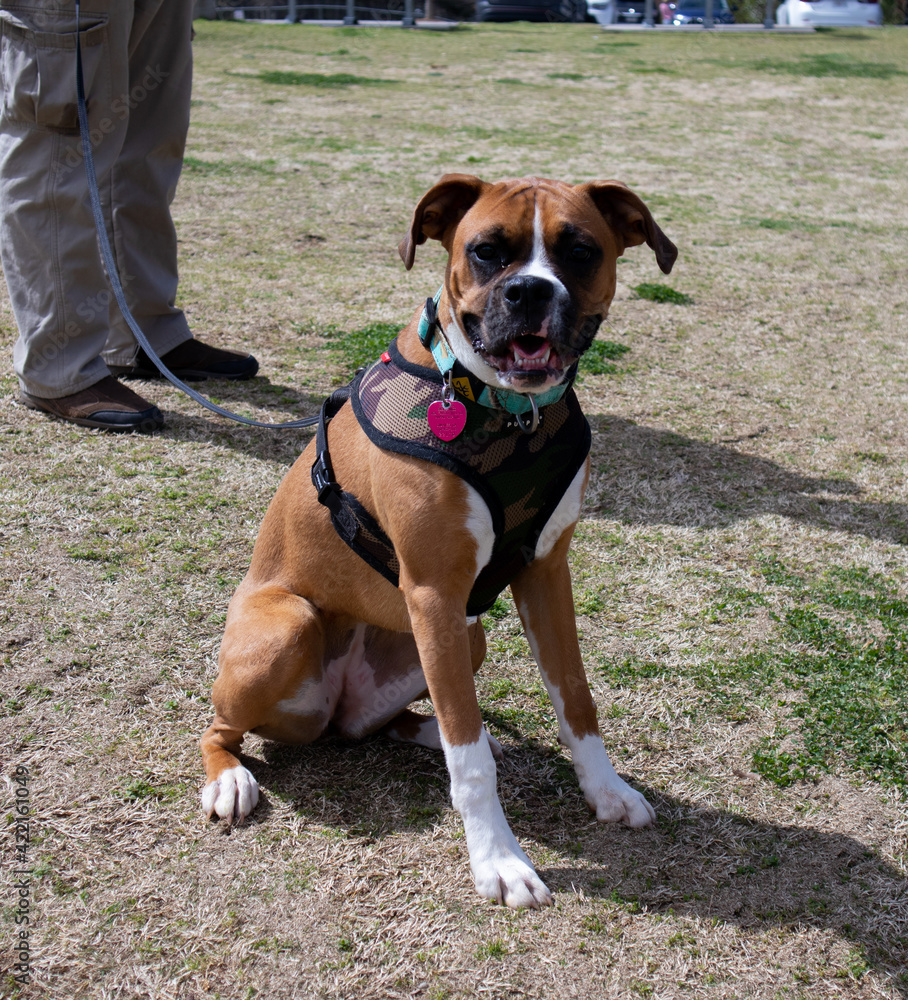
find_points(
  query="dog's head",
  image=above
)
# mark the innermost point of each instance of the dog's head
(531, 269)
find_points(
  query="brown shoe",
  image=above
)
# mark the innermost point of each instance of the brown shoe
(106, 404)
(193, 361)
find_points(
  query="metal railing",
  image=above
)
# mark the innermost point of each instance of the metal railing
(293, 11)
(406, 15)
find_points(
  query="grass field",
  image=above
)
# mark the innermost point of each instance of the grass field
(741, 569)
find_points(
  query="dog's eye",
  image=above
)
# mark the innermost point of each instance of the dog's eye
(581, 253)
(486, 251)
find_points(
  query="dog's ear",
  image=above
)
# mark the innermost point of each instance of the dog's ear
(631, 219)
(439, 211)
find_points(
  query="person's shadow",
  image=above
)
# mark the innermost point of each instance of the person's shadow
(715, 865)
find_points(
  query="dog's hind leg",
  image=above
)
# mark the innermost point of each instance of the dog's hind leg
(412, 727)
(271, 680)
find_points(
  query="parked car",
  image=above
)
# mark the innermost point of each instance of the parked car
(608, 12)
(830, 13)
(633, 11)
(603, 12)
(694, 11)
(531, 10)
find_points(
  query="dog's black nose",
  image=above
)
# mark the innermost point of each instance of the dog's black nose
(528, 290)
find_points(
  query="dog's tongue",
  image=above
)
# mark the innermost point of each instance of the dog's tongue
(532, 347)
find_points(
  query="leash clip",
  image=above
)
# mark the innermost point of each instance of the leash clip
(447, 392)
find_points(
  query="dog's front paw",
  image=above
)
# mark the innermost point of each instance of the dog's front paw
(617, 802)
(510, 879)
(609, 795)
(232, 795)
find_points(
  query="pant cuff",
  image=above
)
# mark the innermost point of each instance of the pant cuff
(126, 360)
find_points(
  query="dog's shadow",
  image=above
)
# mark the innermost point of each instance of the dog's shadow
(700, 862)
(640, 475)
(644, 476)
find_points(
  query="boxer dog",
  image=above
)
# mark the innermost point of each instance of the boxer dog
(376, 555)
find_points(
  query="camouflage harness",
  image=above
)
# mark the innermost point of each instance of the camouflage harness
(521, 476)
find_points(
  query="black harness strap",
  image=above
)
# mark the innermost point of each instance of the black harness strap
(521, 485)
(355, 525)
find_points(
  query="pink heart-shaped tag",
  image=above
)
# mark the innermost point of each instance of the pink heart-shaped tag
(446, 422)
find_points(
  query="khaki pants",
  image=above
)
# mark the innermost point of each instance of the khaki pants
(137, 64)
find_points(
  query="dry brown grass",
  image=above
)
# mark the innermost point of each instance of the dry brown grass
(766, 420)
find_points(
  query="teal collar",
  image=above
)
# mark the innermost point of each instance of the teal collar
(467, 385)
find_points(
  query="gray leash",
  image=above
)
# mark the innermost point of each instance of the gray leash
(114, 278)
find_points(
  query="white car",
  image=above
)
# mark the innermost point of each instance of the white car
(604, 12)
(830, 13)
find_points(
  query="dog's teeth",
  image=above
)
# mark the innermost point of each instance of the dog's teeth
(531, 363)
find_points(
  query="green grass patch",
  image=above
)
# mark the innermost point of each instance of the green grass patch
(663, 70)
(226, 168)
(836, 669)
(495, 948)
(662, 293)
(782, 225)
(789, 225)
(600, 356)
(141, 789)
(355, 348)
(836, 64)
(500, 609)
(848, 651)
(286, 78)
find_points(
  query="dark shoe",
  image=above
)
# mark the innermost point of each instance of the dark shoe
(193, 361)
(106, 404)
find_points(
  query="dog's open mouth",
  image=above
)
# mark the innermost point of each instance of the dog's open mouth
(529, 359)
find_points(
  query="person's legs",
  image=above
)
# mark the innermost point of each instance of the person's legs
(143, 181)
(137, 70)
(57, 284)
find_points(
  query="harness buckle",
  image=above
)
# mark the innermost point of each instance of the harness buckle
(327, 491)
(431, 313)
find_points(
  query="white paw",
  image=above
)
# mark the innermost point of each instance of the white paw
(500, 869)
(619, 803)
(232, 795)
(510, 879)
(610, 796)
